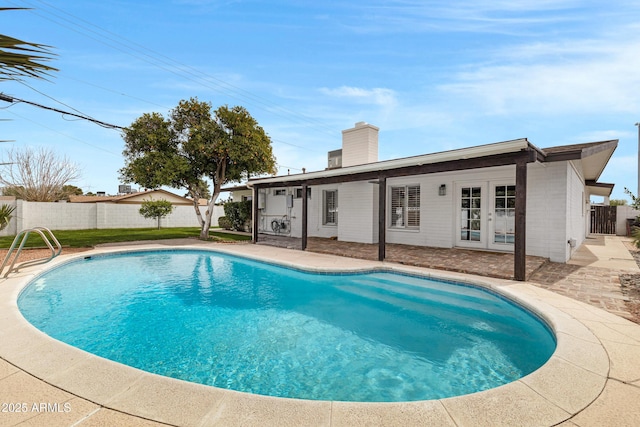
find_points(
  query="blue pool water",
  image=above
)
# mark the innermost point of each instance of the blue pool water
(239, 324)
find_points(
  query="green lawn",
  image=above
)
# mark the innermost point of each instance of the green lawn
(89, 238)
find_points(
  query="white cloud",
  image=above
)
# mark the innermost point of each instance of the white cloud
(481, 16)
(377, 96)
(579, 77)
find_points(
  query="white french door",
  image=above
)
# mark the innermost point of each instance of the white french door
(485, 215)
(502, 222)
(472, 212)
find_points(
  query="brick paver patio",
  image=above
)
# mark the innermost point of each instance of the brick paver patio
(482, 263)
(599, 287)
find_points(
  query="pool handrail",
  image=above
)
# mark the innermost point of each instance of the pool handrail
(24, 234)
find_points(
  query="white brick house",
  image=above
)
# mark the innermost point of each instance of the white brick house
(507, 196)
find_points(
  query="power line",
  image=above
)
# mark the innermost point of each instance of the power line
(163, 62)
(63, 134)
(52, 98)
(13, 100)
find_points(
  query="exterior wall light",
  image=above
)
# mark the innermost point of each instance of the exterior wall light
(442, 190)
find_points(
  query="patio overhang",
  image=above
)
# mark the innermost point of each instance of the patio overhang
(599, 188)
(518, 152)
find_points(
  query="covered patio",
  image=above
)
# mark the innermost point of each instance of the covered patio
(481, 263)
(461, 169)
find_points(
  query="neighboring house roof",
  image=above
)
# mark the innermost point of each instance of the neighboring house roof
(594, 157)
(235, 188)
(136, 198)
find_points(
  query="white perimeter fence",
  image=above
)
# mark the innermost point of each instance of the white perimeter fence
(622, 214)
(82, 216)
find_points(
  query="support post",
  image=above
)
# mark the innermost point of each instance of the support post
(305, 203)
(254, 215)
(520, 244)
(382, 218)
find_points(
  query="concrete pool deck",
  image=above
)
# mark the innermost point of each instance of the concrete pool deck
(593, 378)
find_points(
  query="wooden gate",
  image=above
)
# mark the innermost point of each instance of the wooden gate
(603, 219)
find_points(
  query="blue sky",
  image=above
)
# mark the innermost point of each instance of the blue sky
(433, 75)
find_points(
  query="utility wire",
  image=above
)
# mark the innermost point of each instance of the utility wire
(51, 98)
(167, 64)
(13, 100)
(63, 134)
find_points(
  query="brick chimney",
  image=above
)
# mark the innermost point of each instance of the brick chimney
(360, 145)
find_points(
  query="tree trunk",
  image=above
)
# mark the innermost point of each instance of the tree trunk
(196, 206)
(206, 221)
(204, 231)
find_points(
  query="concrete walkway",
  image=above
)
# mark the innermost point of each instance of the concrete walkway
(593, 274)
(602, 251)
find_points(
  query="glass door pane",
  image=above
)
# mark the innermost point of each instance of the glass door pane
(505, 214)
(471, 214)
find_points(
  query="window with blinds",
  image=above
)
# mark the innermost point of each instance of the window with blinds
(330, 207)
(405, 207)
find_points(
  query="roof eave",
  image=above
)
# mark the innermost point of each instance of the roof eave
(581, 152)
(601, 188)
(463, 153)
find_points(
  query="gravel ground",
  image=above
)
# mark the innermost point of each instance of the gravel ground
(630, 284)
(30, 254)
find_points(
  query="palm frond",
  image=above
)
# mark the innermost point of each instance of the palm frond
(20, 59)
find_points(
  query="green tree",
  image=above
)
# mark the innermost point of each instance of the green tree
(15, 191)
(156, 209)
(19, 59)
(617, 202)
(203, 191)
(71, 190)
(194, 147)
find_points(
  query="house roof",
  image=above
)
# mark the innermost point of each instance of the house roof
(513, 146)
(135, 198)
(240, 187)
(594, 157)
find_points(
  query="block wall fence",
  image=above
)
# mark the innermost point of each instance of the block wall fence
(622, 214)
(83, 216)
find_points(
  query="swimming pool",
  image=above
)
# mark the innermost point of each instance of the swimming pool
(234, 323)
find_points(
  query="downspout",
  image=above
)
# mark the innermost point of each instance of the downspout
(254, 212)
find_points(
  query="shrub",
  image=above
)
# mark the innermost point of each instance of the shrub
(635, 235)
(6, 213)
(238, 213)
(224, 222)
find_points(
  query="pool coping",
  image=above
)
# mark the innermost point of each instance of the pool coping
(563, 389)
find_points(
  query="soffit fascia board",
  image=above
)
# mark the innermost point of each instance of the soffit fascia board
(611, 147)
(593, 164)
(580, 152)
(496, 160)
(441, 157)
(599, 188)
